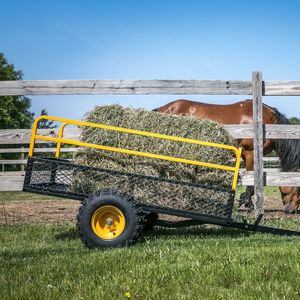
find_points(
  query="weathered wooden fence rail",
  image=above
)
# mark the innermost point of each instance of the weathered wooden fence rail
(257, 88)
(22, 136)
(146, 87)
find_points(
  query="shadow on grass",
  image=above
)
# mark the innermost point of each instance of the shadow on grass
(21, 255)
(197, 231)
(72, 234)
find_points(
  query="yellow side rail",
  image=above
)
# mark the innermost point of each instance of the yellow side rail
(60, 140)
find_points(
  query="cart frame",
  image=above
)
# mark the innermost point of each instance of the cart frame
(195, 218)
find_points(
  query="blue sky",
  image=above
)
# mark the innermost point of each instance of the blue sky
(153, 39)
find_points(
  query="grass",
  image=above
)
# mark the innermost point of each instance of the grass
(269, 191)
(50, 262)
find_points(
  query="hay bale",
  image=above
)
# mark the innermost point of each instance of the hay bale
(169, 195)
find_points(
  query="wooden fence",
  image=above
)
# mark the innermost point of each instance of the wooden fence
(13, 180)
(257, 88)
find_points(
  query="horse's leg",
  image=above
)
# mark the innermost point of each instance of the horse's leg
(246, 197)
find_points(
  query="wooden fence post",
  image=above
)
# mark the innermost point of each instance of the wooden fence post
(22, 156)
(258, 143)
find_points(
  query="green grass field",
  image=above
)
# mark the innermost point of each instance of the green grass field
(50, 262)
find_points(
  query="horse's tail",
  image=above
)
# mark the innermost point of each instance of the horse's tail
(288, 150)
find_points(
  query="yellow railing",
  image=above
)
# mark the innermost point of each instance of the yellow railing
(60, 140)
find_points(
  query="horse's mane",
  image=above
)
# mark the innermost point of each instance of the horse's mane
(288, 150)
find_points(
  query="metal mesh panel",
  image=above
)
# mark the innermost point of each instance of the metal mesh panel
(62, 178)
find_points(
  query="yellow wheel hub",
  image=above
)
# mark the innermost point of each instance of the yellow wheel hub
(108, 222)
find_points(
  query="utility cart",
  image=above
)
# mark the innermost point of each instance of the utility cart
(116, 217)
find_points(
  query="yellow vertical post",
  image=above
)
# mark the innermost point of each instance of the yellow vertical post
(60, 134)
(237, 167)
(33, 134)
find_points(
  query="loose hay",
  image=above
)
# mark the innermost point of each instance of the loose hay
(152, 192)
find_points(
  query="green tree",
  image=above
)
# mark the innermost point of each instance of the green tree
(14, 110)
(46, 124)
(295, 120)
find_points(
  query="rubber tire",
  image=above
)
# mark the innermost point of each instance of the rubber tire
(133, 217)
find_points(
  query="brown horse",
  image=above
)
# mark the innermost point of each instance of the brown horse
(242, 113)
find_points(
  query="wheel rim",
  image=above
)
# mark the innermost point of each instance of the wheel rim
(108, 222)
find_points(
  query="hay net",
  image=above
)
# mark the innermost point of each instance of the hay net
(207, 191)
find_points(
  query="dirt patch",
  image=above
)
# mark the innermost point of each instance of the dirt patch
(39, 212)
(65, 211)
(272, 203)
